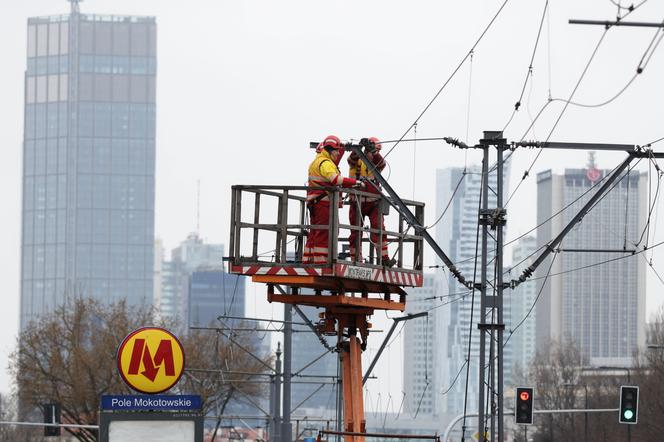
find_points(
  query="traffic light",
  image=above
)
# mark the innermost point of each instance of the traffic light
(51, 416)
(523, 411)
(629, 404)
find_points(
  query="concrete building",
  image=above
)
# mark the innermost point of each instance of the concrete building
(522, 344)
(458, 192)
(88, 160)
(600, 308)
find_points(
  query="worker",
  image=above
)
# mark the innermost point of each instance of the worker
(323, 172)
(368, 206)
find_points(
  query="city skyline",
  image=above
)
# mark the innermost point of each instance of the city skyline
(232, 96)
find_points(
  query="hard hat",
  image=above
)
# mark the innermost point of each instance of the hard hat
(376, 142)
(331, 141)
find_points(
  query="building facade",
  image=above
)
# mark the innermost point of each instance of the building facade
(599, 308)
(192, 254)
(88, 160)
(421, 379)
(521, 343)
(458, 192)
(212, 293)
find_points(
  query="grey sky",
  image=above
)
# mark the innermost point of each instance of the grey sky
(244, 86)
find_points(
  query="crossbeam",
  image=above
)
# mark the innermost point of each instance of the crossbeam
(611, 23)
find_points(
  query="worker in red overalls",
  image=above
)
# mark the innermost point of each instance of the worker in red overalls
(369, 206)
(323, 172)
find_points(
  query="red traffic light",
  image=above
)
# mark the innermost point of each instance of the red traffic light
(524, 395)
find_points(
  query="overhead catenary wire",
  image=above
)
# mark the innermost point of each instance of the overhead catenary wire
(440, 90)
(555, 124)
(530, 66)
(569, 101)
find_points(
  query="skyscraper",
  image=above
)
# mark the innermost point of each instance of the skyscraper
(458, 192)
(88, 160)
(520, 301)
(601, 308)
(191, 255)
(421, 379)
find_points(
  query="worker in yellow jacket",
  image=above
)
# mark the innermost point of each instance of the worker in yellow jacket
(368, 206)
(323, 172)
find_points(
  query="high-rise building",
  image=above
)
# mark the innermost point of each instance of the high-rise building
(88, 160)
(520, 300)
(191, 255)
(600, 308)
(421, 379)
(458, 192)
(212, 293)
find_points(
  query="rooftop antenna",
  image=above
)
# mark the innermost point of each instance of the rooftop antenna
(198, 207)
(74, 6)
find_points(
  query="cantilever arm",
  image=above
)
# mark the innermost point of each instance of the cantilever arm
(551, 246)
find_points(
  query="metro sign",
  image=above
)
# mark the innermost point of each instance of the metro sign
(151, 360)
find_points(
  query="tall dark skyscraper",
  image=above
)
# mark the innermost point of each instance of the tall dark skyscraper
(88, 160)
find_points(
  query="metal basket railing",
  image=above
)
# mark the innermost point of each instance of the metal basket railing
(285, 208)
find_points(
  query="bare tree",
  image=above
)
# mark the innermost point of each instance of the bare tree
(69, 357)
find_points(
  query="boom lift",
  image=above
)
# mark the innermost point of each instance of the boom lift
(348, 290)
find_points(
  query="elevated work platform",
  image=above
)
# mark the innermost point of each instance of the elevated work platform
(275, 219)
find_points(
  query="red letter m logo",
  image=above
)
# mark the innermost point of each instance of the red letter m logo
(141, 353)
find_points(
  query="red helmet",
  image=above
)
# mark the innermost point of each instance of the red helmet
(331, 141)
(335, 143)
(376, 142)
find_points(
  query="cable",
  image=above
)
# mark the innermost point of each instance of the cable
(530, 66)
(578, 83)
(463, 176)
(548, 273)
(472, 312)
(463, 60)
(638, 252)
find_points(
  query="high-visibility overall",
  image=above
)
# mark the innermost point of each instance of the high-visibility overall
(322, 172)
(368, 206)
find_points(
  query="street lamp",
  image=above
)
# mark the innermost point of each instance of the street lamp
(585, 414)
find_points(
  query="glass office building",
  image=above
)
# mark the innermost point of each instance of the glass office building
(88, 160)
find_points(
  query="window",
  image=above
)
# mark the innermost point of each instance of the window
(137, 157)
(86, 119)
(120, 120)
(103, 118)
(120, 156)
(83, 260)
(103, 87)
(100, 191)
(85, 155)
(101, 227)
(62, 192)
(102, 155)
(63, 114)
(29, 157)
(84, 191)
(138, 118)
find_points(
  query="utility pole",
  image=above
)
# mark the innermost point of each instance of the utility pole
(276, 398)
(491, 304)
(286, 427)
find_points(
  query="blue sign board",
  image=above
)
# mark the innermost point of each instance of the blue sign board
(151, 402)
